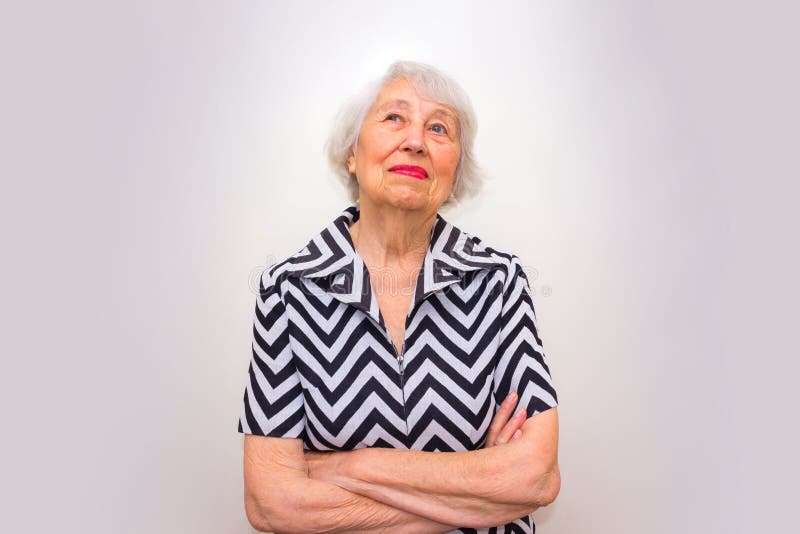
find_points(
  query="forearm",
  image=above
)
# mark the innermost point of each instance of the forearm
(316, 506)
(485, 487)
(473, 488)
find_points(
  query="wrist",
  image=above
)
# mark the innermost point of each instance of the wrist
(326, 466)
(344, 467)
(341, 463)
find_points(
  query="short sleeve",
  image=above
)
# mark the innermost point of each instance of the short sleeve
(521, 364)
(273, 398)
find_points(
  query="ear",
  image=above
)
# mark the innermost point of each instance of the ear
(351, 164)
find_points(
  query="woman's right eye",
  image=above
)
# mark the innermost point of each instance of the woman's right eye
(390, 115)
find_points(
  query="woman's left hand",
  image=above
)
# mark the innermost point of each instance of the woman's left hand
(504, 427)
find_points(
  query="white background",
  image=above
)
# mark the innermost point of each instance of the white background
(156, 154)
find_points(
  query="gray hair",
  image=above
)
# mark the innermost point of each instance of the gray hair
(431, 84)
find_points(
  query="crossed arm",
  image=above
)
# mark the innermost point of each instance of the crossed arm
(370, 489)
(280, 497)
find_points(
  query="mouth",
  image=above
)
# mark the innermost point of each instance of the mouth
(410, 170)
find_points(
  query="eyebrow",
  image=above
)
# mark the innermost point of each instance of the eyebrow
(400, 103)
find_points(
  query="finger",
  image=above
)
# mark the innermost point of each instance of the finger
(501, 417)
(508, 429)
(513, 424)
(517, 435)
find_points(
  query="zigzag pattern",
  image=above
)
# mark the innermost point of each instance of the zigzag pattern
(324, 367)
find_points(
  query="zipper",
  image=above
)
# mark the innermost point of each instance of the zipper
(399, 355)
(402, 389)
(401, 369)
(400, 359)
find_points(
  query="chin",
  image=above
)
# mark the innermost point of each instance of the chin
(409, 200)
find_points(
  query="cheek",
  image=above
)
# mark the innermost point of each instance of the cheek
(376, 154)
(448, 161)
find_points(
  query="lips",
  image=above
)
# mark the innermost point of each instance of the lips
(410, 170)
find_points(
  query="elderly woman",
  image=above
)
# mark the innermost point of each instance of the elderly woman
(397, 378)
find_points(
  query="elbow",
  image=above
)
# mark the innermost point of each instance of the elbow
(256, 514)
(265, 516)
(544, 487)
(532, 488)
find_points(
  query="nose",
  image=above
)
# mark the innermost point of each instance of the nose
(415, 140)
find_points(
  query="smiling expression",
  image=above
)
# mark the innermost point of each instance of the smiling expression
(408, 149)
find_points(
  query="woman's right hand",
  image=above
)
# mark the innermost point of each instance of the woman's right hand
(504, 427)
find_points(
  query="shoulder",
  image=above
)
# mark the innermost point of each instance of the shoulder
(324, 253)
(273, 277)
(507, 262)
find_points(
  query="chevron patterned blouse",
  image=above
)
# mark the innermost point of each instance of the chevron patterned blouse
(324, 368)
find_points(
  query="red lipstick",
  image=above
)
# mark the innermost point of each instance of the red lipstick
(410, 170)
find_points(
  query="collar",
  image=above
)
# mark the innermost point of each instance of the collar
(331, 261)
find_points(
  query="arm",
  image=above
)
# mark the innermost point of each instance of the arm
(326, 503)
(480, 488)
(280, 497)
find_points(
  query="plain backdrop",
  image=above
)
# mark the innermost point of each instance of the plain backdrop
(157, 154)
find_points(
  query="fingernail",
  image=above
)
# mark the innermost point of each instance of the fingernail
(519, 412)
(511, 395)
(517, 434)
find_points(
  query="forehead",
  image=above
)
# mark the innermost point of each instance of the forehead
(402, 94)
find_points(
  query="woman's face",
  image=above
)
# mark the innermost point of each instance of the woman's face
(404, 129)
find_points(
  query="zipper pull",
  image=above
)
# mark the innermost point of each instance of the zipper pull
(400, 357)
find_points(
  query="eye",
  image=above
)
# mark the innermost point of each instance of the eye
(438, 125)
(395, 115)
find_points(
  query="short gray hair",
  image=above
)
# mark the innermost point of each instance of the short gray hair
(431, 84)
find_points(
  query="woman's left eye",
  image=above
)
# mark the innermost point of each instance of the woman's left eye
(443, 129)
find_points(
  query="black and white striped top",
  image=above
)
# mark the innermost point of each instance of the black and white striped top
(324, 367)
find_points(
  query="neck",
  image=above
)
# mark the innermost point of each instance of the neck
(388, 236)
